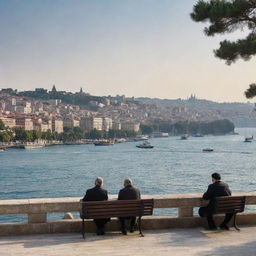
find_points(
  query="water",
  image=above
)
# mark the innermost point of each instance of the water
(173, 166)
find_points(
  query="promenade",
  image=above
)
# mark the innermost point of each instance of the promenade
(174, 242)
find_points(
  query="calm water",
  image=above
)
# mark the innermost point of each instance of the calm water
(173, 166)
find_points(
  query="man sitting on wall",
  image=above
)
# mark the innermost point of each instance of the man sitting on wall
(216, 189)
(98, 194)
(128, 193)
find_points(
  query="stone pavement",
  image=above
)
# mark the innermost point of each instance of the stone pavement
(173, 242)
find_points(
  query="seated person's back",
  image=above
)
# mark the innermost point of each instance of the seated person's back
(97, 193)
(129, 192)
(217, 189)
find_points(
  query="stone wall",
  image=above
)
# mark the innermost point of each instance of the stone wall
(37, 210)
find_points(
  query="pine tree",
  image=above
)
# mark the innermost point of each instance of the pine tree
(226, 16)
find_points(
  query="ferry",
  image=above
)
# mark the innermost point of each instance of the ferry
(184, 137)
(208, 150)
(104, 143)
(141, 138)
(145, 144)
(248, 139)
(32, 145)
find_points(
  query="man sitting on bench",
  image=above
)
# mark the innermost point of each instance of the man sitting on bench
(98, 194)
(217, 189)
(128, 193)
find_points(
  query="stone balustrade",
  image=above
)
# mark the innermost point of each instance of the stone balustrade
(37, 210)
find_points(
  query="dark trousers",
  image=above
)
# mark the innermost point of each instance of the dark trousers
(132, 222)
(206, 212)
(100, 223)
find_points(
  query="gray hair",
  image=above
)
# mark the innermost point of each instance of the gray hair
(99, 181)
(127, 182)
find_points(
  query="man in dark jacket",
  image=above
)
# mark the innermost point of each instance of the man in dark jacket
(128, 193)
(98, 194)
(216, 189)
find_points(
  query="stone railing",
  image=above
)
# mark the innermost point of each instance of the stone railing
(37, 210)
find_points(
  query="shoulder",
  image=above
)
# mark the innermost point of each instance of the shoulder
(122, 190)
(89, 190)
(224, 184)
(137, 190)
(104, 190)
(211, 186)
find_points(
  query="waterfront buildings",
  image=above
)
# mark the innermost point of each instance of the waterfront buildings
(8, 121)
(25, 123)
(90, 123)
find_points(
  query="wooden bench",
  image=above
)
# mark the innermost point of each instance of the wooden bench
(115, 208)
(230, 204)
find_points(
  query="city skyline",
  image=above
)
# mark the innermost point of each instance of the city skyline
(142, 49)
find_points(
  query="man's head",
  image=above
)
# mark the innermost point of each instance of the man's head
(127, 182)
(99, 182)
(216, 177)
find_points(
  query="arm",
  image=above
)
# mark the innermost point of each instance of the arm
(85, 198)
(138, 196)
(208, 194)
(119, 196)
(229, 191)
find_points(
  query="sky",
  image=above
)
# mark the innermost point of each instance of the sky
(148, 48)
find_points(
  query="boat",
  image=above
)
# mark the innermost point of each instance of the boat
(184, 137)
(145, 144)
(31, 145)
(122, 140)
(160, 134)
(104, 142)
(208, 149)
(197, 135)
(248, 139)
(141, 138)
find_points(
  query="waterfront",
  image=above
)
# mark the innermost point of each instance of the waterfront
(173, 166)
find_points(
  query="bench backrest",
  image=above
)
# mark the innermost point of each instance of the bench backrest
(229, 204)
(116, 208)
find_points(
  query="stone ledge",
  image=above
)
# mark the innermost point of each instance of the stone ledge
(71, 204)
(148, 223)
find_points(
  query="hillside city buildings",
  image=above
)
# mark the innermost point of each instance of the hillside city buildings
(53, 115)
(110, 112)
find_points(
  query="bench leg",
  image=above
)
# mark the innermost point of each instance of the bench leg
(235, 225)
(83, 231)
(140, 227)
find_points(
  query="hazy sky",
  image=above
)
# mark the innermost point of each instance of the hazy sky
(133, 47)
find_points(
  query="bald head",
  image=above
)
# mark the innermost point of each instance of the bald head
(99, 182)
(127, 182)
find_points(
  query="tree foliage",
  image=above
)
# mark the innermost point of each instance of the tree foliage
(2, 126)
(185, 127)
(226, 16)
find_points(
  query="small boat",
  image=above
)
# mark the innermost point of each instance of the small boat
(2, 149)
(197, 135)
(145, 144)
(208, 149)
(248, 139)
(184, 137)
(104, 143)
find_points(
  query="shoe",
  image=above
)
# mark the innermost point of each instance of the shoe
(211, 228)
(224, 227)
(100, 232)
(124, 232)
(132, 229)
